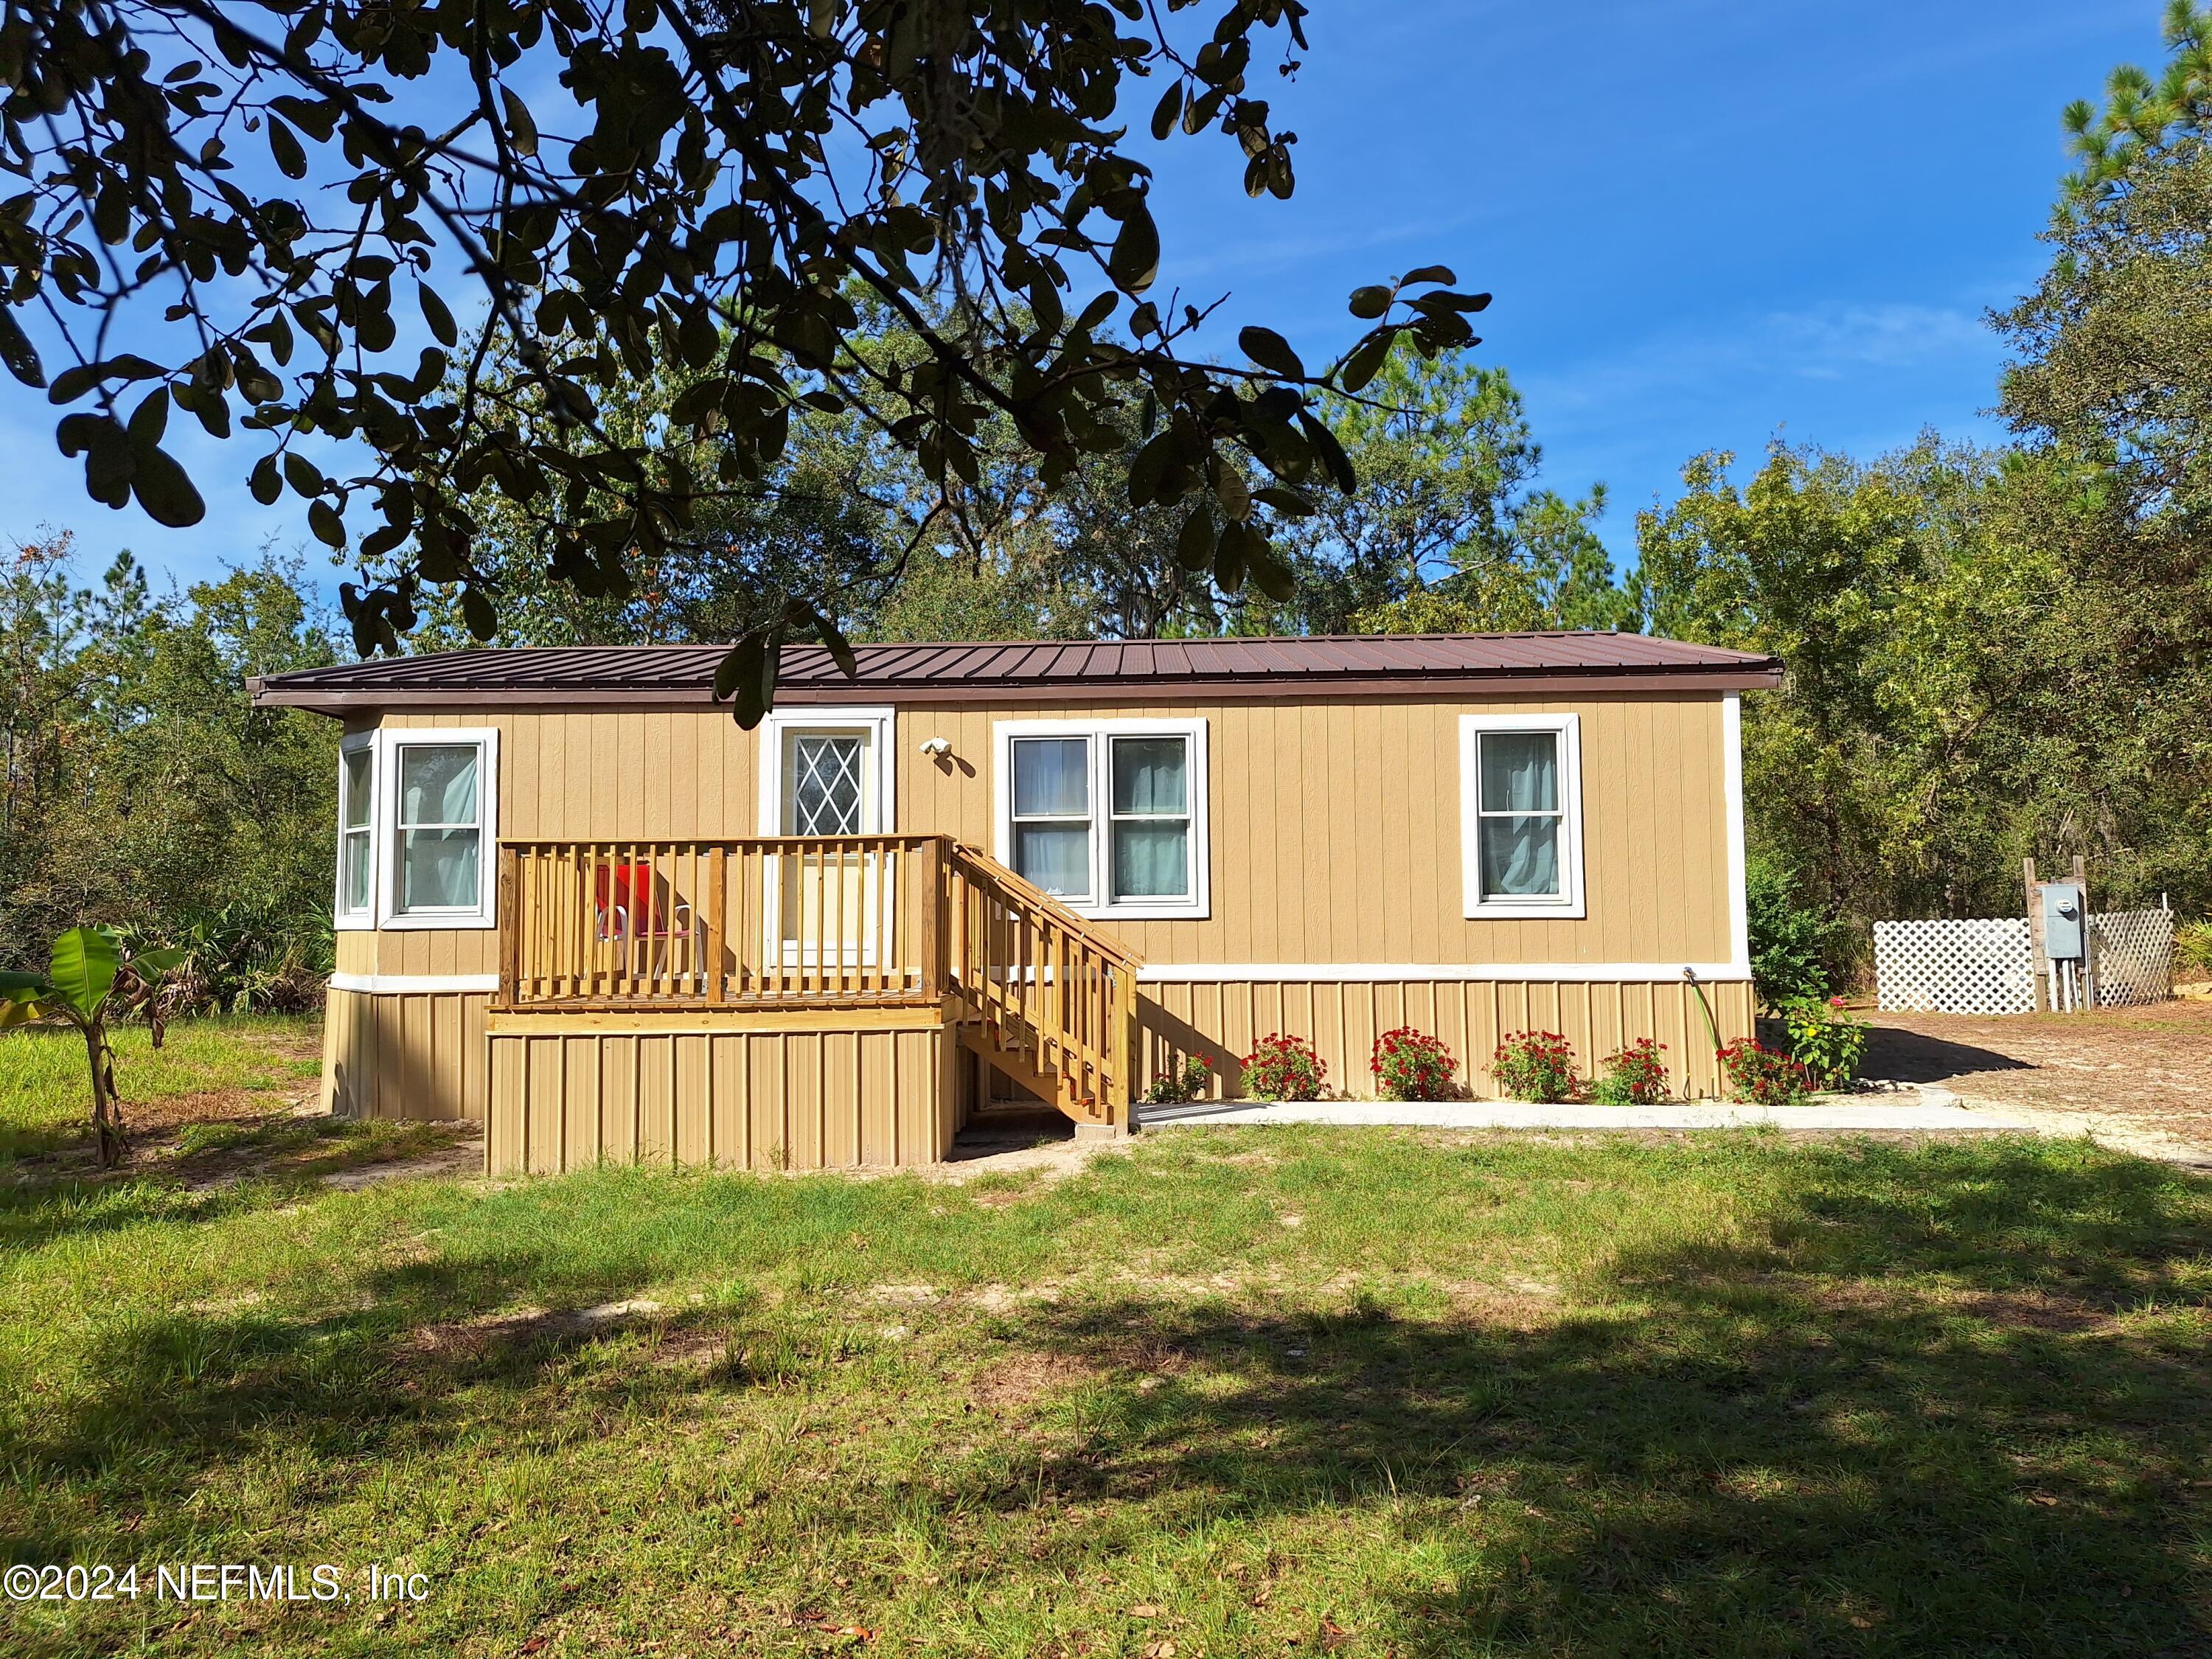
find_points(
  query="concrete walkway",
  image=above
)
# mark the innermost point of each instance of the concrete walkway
(1926, 1110)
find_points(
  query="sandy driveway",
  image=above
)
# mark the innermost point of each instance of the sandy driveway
(2139, 1078)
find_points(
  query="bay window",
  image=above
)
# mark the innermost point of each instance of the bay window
(1107, 816)
(1521, 815)
(417, 831)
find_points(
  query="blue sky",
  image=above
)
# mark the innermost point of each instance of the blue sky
(1707, 223)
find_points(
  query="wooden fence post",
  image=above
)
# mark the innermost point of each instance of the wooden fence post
(510, 924)
(2038, 966)
(930, 944)
(717, 897)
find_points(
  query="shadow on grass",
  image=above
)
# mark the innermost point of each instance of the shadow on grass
(1914, 1416)
(1916, 1420)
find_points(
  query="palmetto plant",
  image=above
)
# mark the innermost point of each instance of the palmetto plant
(88, 978)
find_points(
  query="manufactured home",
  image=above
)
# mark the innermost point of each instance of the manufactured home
(575, 902)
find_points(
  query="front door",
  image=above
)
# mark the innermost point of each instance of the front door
(832, 901)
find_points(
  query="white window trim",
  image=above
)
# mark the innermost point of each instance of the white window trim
(1198, 906)
(342, 920)
(877, 722)
(389, 742)
(1569, 902)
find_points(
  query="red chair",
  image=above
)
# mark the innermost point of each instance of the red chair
(625, 902)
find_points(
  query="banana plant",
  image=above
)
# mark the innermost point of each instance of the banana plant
(87, 979)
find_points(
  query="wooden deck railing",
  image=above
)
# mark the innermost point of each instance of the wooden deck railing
(765, 922)
(842, 921)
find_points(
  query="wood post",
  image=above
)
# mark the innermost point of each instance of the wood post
(710, 943)
(510, 923)
(929, 944)
(2039, 965)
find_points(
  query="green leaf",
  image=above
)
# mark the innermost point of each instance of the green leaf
(17, 351)
(1274, 577)
(165, 489)
(83, 969)
(521, 129)
(150, 965)
(23, 988)
(264, 482)
(478, 612)
(435, 313)
(1365, 361)
(1332, 453)
(1429, 274)
(1135, 260)
(1195, 544)
(291, 159)
(1167, 111)
(1271, 351)
(323, 519)
(1371, 301)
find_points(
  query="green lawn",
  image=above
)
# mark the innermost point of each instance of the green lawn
(1239, 1392)
(45, 1098)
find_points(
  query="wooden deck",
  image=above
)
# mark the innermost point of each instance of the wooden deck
(820, 932)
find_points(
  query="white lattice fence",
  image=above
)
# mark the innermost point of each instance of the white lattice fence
(2135, 957)
(1976, 966)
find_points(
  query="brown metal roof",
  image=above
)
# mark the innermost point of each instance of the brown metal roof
(1037, 670)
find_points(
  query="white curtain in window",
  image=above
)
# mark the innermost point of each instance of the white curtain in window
(1520, 814)
(438, 830)
(1052, 814)
(354, 833)
(1151, 828)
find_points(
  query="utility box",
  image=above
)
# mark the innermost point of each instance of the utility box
(2064, 922)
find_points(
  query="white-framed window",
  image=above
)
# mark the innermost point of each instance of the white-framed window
(418, 827)
(1108, 816)
(1521, 815)
(354, 907)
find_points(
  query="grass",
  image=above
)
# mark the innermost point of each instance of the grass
(45, 1100)
(1238, 1392)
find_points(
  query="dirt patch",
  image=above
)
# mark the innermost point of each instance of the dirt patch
(1025, 1378)
(490, 1333)
(2140, 1078)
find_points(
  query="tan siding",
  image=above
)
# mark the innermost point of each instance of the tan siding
(417, 1057)
(871, 1099)
(1222, 1022)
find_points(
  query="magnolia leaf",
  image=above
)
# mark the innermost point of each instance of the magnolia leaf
(1430, 274)
(165, 489)
(1135, 260)
(83, 969)
(17, 351)
(436, 313)
(1271, 351)
(1167, 111)
(521, 129)
(1195, 544)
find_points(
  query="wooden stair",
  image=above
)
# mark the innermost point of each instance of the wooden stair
(1041, 995)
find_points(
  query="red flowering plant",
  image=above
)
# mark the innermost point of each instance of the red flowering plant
(1189, 1079)
(1411, 1064)
(1282, 1067)
(1537, 1066)
(1764, 1076)
(1633, 1076)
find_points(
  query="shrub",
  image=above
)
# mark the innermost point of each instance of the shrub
(1190, 1080)
(1634, 1076)
(1538, 1066)
(2193, 949)
(1793, 946)
(1282, 1067)
(1410, 1064)
(1825, 1040)
(1764, 1076)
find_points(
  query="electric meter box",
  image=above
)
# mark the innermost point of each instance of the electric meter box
(2063, 904)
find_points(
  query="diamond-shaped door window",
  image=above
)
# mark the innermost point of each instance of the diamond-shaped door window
(825, 788)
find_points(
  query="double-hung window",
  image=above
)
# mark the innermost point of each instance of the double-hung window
(1521, 815)
(1108, 816)
(356, 889)
(417, 829)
